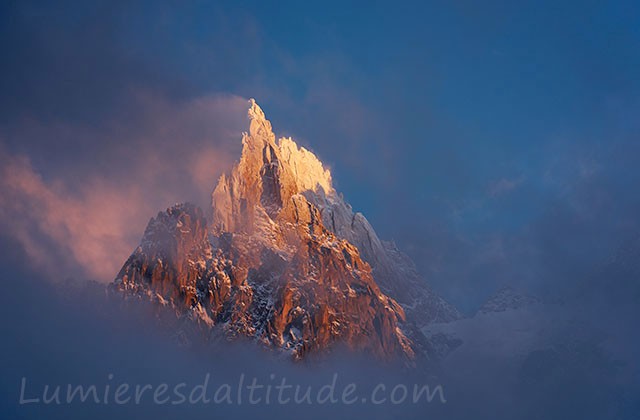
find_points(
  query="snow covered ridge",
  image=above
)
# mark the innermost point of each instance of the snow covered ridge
(505, 299)
(281, 258)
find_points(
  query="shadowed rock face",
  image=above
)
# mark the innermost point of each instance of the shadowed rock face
(278, 260)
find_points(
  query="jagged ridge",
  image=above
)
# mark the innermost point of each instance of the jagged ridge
(280, 260)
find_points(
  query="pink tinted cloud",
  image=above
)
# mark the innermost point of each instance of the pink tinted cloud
(85, 221)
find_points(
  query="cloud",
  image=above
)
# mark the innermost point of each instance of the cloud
(83, 213)
(504, 186)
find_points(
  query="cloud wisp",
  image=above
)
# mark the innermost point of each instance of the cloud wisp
(83, 215)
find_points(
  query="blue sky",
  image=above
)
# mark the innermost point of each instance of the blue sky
(496, 142)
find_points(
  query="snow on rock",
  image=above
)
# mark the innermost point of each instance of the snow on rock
(507, 298)
(282, 258)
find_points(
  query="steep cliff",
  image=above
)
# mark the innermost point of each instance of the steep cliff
(282, 259)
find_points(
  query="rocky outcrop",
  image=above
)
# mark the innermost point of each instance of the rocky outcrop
(282, 259)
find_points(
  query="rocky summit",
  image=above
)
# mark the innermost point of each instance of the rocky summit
(281, 258)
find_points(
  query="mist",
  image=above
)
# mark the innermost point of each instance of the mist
(496, 144)
(72, 333)
(78, 203)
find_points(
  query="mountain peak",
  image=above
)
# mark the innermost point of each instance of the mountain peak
(283, 259)
(255, 112)
(268, 174)
(308, 171)
(262, 192)
(259, 127)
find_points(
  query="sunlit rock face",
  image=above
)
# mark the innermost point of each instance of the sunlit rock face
(282, 259)
(263, 183)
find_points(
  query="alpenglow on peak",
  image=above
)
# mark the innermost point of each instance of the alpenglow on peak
(308, 171)
(268, 174)
(283, 259)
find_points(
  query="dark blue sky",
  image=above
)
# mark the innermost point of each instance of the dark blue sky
(497, 142)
